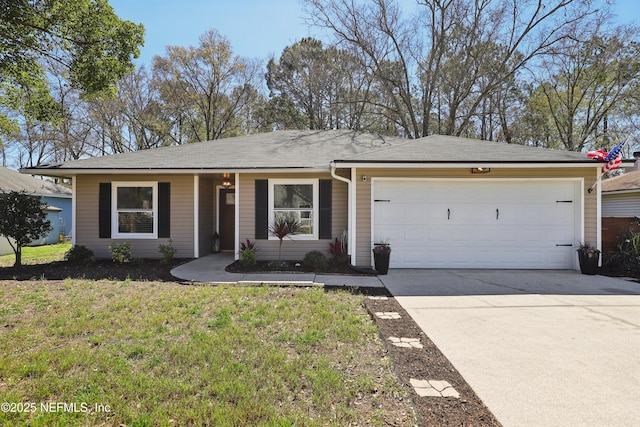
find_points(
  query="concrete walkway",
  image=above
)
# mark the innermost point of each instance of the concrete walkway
(211, 269)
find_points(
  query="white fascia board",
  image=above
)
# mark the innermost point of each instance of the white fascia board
(339, 164)
(471, 165)
(615, 192)
(71, 172)
(59, 196)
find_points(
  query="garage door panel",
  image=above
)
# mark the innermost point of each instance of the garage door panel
(415, 216)
(486, 224)
(438, 236)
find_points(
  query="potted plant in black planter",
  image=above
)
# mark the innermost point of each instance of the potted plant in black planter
(381, 256)
(588, 257)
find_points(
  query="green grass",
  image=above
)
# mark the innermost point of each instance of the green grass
(37, 254)
(163, 354)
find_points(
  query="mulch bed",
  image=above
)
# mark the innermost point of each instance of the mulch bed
(428, 363)
(139, 269)
(296, 267)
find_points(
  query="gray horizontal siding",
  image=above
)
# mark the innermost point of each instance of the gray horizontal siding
(291, 249)
(626, 205)
(87, 191)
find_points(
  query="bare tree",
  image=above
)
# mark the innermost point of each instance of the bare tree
(134, 119)
(328, 86)
(205, 87)
(584, 81)
(439, 69)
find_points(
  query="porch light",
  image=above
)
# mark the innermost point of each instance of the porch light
(480, 170)
(226, 183)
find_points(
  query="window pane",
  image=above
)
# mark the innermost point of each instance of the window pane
(135, 197)
(135, 222)
(287, 196)
(305, 218)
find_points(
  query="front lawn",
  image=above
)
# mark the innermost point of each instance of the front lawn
(37, 254)
(84, 352)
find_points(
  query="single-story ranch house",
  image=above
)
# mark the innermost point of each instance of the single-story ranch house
(439, 201)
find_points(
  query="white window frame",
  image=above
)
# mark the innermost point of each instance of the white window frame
(314, 214)
(115, 234)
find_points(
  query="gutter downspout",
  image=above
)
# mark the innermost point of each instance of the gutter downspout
(351, 220)
(598, 216)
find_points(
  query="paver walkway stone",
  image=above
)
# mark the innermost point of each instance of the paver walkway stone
(433, 388)
(388, 315)
(406, 342)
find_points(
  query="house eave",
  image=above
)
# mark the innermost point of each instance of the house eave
(57, 171)
(614, 192)
(461, 165)
(58, 196)
(69, 172)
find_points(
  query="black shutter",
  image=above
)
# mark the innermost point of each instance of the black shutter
(262, 209)
(324, 222)
(104, 210)
(164, 203)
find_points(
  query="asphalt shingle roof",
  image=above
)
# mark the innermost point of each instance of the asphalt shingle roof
(11, 180)
(283, 149)
(317, 149)
(628, 181)
(451, 149)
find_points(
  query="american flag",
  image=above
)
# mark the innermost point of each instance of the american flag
(613, 154)
(612, 164)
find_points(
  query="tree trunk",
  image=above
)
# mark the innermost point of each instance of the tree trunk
(18, 262)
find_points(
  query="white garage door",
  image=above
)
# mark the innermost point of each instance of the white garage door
(477, 224)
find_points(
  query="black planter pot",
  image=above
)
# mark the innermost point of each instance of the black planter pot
(588, 262)
(381, 261)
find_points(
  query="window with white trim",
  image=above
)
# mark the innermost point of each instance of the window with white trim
(134, 210)
(295, 199)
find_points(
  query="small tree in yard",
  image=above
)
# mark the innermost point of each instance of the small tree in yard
(23, 219)
(282, 227)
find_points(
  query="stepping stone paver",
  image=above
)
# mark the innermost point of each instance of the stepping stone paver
(433, 388)
(406, 342)
(388, 315)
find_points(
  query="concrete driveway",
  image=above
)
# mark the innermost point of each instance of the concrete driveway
(540, 348)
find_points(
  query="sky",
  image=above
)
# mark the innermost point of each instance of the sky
(255, 28)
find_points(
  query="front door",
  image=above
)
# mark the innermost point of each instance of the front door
(227, 218)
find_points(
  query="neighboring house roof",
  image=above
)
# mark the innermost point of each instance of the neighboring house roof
(11, 180)
(312, 149)
(627, 182)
